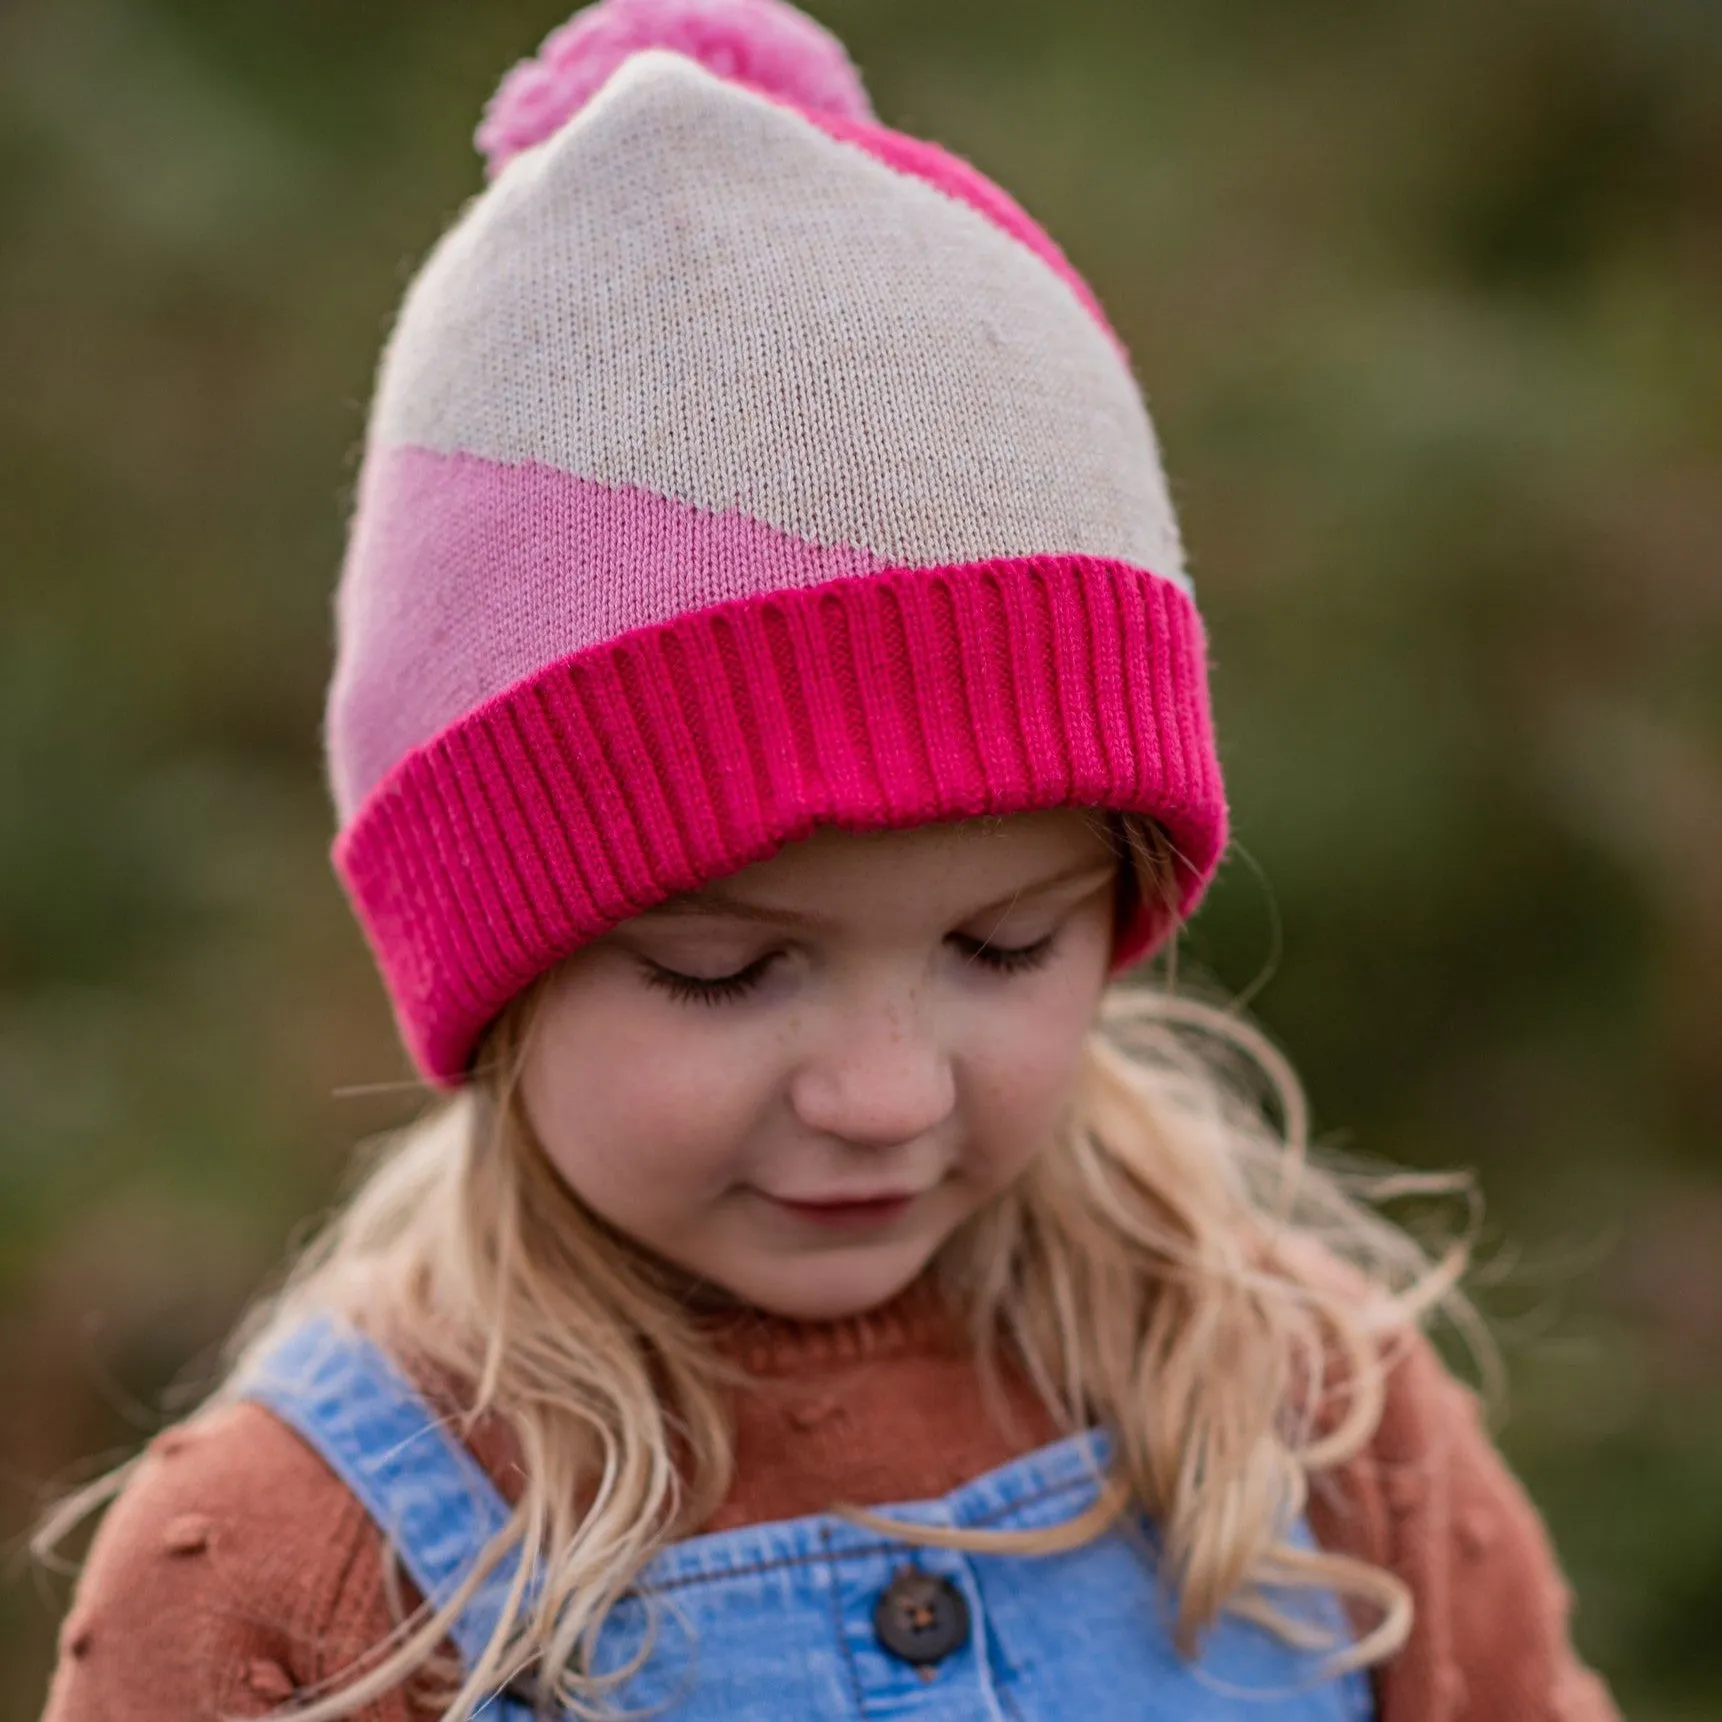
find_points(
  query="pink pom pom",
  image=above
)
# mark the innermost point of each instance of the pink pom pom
(766, 45)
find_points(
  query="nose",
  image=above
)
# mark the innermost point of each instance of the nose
(881, 1078)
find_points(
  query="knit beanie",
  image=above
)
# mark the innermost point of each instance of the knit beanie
(736, 466)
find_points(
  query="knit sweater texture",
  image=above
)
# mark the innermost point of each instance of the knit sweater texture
(236, 1571)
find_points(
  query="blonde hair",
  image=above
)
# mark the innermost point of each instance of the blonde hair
(1174, 1268)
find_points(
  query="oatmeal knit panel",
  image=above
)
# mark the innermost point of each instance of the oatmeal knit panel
(693, 290)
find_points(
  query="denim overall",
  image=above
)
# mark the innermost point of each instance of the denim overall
(795, 1620)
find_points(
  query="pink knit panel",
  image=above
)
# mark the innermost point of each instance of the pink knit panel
(680, 753)
(473, 573)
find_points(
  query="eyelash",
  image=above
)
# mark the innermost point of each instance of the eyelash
(725, 989)
(691, 989)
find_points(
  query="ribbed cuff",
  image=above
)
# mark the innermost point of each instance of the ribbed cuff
(682, 752)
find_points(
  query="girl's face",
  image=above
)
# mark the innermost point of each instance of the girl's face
(797, 1083)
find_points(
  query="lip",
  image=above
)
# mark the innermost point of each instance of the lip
(849, 1211)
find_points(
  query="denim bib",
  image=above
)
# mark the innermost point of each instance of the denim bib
(817, 1618)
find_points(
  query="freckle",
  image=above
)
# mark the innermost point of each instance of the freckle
(170, 1445)
(1404, 1489)
(78, 1637)
(269, 1679)
(187, 1535)
(1451, 1689)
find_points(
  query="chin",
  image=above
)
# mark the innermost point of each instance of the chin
(832, 1285)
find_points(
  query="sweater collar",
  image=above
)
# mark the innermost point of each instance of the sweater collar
(918, 1320)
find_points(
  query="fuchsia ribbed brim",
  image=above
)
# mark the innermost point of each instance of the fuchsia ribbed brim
(683, 751)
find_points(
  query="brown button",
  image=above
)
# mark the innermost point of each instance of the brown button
(921, 1617)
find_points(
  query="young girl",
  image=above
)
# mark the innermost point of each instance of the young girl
(770, 716)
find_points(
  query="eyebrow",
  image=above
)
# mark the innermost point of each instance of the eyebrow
(714, 900)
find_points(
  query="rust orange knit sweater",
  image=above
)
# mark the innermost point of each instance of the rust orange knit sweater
(236, 1570)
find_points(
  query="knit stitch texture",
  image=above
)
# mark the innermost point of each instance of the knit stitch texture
(736, 466)
(273, 1572)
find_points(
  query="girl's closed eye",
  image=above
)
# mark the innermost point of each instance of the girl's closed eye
(723, 989)
(707, 989)
(1006, 959)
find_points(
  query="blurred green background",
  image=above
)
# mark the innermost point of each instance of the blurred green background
(1426, 300)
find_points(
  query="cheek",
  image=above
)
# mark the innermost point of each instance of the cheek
(1025, 1078)
(1025, 1068)
(638, 1110)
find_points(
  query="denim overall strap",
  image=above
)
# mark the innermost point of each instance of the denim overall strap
(792, 1618)
(349, 1400)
